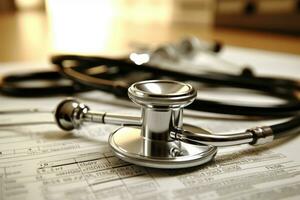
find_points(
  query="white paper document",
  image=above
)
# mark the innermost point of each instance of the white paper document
(43, 162)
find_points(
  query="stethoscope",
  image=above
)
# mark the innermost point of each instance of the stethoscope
(159, 138)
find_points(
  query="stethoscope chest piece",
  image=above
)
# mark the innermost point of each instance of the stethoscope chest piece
(153, 143)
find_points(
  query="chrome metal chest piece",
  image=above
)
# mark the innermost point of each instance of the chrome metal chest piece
(158, 138)
(153, 144)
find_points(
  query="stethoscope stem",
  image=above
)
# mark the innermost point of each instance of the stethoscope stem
(213, 139)
(111, 118)
(254, 136)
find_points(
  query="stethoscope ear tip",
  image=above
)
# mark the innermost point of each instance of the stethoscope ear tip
(68, 114)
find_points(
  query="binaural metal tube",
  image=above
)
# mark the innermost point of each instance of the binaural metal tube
(213, 139)
(111, 118)
(254, 136)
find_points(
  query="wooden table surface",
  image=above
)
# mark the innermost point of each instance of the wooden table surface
(35, 35)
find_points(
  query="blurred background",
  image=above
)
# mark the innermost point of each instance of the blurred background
(35, 29)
